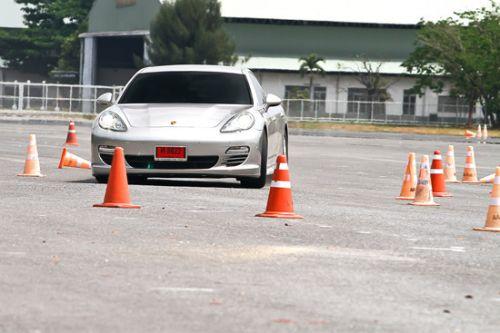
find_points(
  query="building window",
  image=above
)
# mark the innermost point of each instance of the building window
(302, 92)
(302, 105)
(409, 102)
(452, 104)
(359, 102)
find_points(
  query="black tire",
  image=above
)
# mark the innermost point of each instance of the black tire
(285, 144)
(101, 179)
(136, 179)
(261, 181)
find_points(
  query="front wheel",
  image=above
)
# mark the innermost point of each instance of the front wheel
(261, 181)
(101, 179)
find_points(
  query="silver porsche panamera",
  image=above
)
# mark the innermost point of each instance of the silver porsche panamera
(191, 121)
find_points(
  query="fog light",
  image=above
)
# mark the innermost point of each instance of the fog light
(109, 150)
(238, 150)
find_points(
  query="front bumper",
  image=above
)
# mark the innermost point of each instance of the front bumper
(207, 150)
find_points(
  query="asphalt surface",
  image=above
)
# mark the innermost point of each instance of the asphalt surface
(195, 259)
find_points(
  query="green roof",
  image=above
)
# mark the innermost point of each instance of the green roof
(340, 41)
(273, 37)
(107, 15)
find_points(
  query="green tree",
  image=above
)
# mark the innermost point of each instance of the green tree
(369, 75)
(310, 65)
(189, 32)
(51, 38)
(463, 51)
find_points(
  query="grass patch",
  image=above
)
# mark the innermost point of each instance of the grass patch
(387, 128)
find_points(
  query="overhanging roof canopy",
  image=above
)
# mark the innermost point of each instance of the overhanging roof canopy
(330, 65)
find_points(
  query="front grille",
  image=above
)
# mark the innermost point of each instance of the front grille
(106, 158)
(193, 162)
(234, 160)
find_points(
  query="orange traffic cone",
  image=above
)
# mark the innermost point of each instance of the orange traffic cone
(470, 172)
(469, 134)
(479, 134)
(71, 160)
(488, 179)
(423, 195)
(437, 176)
(409, 180)
(450, 171)
(71, 139)
(280, 203)
(485, 133)
(32, 164)
(493, 217)
(117, 194)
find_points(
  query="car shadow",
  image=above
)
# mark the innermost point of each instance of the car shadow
(188, 183)
(171, 183)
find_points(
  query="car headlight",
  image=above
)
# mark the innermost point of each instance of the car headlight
(112, 121)
(241, 122)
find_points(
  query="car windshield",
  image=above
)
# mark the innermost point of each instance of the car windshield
(188, 87)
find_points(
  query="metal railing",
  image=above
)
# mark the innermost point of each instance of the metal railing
(377, 112)
(56, 97)
(21, 96)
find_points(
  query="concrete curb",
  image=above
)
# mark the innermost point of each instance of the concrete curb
(46, 117)
(385, 135)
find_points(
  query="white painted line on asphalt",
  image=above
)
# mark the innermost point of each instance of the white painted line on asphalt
(208, 211)
(451, 249)
(12, 253)
(399, 162)
(11, 160)
(183, 289)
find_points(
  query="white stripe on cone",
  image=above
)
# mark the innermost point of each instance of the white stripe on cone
(436, 171)
(281, 184)
(438, 157)
(497, 180)
(495, 202)
(283, 166)
(470, 166)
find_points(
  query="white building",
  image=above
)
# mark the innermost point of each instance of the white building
(117, 31)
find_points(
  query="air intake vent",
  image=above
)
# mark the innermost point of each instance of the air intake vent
(236, 156)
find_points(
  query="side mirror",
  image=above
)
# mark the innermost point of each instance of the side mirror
(105, 99)
(272, 100)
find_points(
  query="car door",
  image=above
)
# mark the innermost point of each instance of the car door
(271, 117)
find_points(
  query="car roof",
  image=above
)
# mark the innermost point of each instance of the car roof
(193, 68)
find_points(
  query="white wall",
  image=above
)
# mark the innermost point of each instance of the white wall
(337, 86)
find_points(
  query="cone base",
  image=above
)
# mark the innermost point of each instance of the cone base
(487, 229)
(405, 198)
(30, 175)
(442, 194)
(279, 215)
(424, 204)
(116, 205)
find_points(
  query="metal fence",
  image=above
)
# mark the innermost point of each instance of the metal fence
(377, 112)
(56, 97)
(44, 96)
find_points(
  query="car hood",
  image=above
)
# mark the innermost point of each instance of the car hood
(178, 115)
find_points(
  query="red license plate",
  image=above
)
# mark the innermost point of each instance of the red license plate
(171, 153)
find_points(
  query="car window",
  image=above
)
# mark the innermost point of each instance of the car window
(188, 87)
(261, 95)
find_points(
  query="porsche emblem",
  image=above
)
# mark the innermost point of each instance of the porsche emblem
(173, 122)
